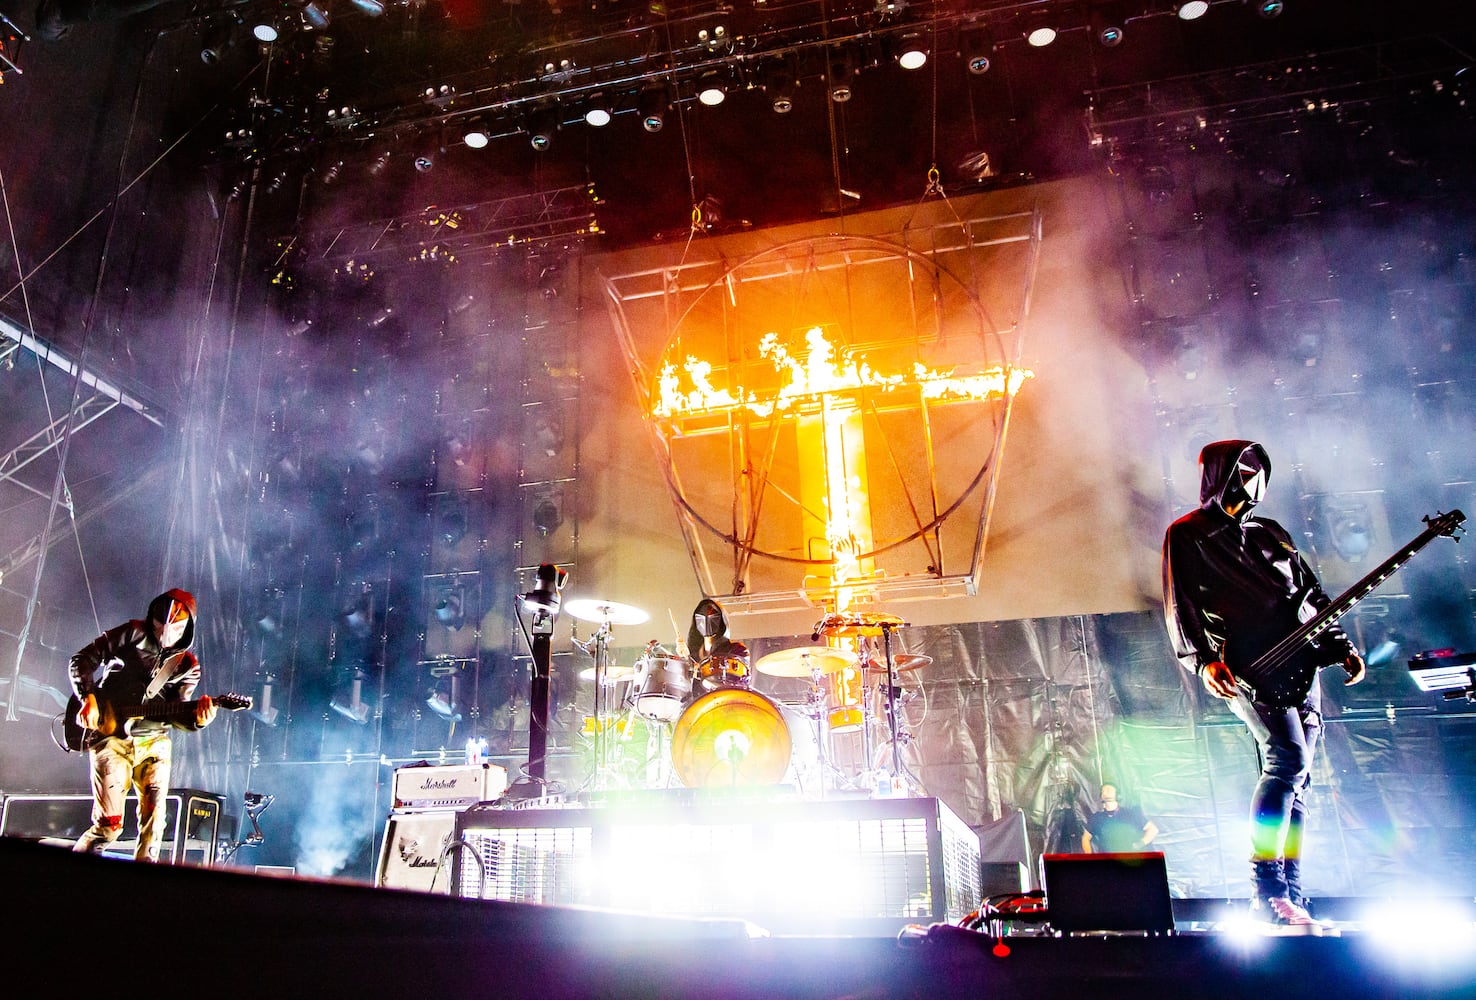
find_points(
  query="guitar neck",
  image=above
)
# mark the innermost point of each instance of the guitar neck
(157, 711)
(1370, 582)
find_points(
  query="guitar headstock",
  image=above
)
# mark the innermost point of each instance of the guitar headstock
(231, 702)
(1448, 524)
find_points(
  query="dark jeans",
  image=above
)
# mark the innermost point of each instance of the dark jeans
(1286, 739)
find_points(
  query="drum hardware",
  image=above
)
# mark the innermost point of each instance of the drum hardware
(804, 661)
(662, 684)
(904, 662)
(614, 674)
(603, 673)
(853, 626)
(870, 626)
(605, 612)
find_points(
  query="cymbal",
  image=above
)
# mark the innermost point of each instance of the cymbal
(589, 609)
(903, 661)
(613, 674)
(801, 661)
(848, 626)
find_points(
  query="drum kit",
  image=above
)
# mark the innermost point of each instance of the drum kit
(705, 722)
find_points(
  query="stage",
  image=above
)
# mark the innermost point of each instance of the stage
(71, 915)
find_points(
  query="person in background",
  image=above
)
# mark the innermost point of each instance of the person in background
(1116, 828)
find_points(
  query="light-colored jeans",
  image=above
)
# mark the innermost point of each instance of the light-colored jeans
(118, 764)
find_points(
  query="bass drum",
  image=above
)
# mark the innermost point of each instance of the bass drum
(728, 737)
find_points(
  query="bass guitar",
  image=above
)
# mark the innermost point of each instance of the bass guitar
(1280, 673)
(114, 718)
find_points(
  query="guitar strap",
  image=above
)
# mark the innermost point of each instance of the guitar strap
(162, 675)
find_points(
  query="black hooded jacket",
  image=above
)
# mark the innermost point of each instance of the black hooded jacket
(130, 654)
(1223, 574)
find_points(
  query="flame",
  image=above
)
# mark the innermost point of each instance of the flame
(813, 387)
(821, 371)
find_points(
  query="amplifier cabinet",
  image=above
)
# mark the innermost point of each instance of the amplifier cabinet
(411, 851)
(455, 786)
(191, 823)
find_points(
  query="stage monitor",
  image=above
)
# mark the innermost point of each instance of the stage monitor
(1107, 892)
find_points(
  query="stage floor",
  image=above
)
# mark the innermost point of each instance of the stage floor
(74, 920)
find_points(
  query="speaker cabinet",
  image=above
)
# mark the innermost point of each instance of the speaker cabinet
(191, 823)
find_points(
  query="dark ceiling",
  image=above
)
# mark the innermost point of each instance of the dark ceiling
(124, 97)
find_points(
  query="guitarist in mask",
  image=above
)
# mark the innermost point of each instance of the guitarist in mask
(1233, 580)
(141, 661)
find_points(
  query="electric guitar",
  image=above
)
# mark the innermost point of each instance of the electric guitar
(1280, 673)
(114, 718)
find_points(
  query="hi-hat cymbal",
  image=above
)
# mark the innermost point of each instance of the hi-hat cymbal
(613, 674)
(589, 609)
(851, 625)
(802, 661)
(903, 662)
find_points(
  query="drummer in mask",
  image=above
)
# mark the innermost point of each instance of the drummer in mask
(717, 660)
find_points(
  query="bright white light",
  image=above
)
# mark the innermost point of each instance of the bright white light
(1041, 37)
(1421, 930)
(1193, 10)
(713, 96)
(264, 32)
(913, 59)
(598, 117)
(475, 138)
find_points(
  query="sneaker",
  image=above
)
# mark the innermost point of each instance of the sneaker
(1280, 912)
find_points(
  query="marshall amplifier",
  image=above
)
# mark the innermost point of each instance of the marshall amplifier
(412, 848)
(424, 786)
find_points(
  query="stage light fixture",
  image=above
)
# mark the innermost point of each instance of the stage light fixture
(216, 41)
(1351, 528)
(542, 124)
(476, 136)
(261, 707)
(547, 517)
(1108, 24)
(779, 84)
(373, 8)
(1269, 8)
(425, 163)
(348, 700)
(1039, 29)
(912, 50)
(1192, 10)
(453, 520)
(315, 16)
(978, 49)
(711, 90)
(265, 31)
(597, 111)
(450, 608)
(652, 105)
(842, 69)
(379, 162)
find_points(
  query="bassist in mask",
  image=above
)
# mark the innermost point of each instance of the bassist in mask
(1234, 585)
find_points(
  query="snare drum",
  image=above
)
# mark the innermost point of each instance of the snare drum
(723, 671)
(662, 684)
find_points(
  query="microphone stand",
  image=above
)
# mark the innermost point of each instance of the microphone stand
(543, 602)
(542, 649)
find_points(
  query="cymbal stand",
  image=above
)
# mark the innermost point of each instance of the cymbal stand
(598, 646)
(892, 691)
(817, 705)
